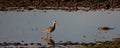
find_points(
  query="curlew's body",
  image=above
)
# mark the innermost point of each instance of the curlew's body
(105, 28)
(50, 29)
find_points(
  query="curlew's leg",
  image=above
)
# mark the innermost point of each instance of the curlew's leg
(50, 35)
(47, 35)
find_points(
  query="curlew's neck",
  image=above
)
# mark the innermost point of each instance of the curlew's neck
(53, 24)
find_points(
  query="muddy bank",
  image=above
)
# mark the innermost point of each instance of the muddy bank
(59, 4)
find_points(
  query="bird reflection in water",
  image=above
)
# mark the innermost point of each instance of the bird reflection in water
(49, 41)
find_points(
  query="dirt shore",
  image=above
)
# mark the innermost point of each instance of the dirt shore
(59, 4)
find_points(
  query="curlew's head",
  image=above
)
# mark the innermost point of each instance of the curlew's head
(54, 21)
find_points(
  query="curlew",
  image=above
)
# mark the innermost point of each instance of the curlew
(50, 29)
(105, 28)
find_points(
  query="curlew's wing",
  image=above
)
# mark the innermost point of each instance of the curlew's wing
(48, 30)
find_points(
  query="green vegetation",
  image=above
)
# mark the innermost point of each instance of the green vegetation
(108, 46)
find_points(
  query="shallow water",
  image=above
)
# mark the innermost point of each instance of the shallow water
(75, 26)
